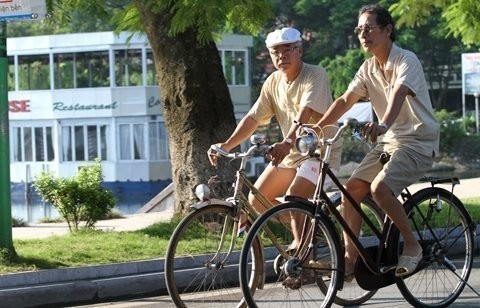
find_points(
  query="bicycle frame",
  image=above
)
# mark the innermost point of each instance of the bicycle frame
(321, 201)
(239, 202)
(381, 235)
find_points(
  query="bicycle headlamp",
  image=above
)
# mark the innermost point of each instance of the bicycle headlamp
(307, 143)
(202, 192)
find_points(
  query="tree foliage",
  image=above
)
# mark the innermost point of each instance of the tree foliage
(461, 16)
(342, 69)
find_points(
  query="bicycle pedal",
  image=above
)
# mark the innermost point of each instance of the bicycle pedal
(386, 269)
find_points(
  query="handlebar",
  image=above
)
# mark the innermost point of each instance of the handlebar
(308, 140)
(254, 150)
(347, 123)
(258, 148)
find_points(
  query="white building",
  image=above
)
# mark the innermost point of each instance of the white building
(76, 97)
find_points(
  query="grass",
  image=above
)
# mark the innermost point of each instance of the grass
(89, 247)
(93, 247)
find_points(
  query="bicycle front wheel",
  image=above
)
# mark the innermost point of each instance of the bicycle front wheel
(201, 264)
(291, 275)
(444, 229)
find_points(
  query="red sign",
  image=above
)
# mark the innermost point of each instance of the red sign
(19, 106)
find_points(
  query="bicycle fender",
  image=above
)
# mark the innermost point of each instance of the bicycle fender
(290, 198)
(209, 202)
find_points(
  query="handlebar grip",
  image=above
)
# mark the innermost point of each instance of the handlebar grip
(219, 150)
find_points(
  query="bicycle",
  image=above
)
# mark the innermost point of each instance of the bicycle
(316, 270)
(201, 263)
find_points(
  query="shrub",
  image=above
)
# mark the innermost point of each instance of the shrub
(451, 131)
(80, 198)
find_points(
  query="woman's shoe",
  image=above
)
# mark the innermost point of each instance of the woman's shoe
(408, 264)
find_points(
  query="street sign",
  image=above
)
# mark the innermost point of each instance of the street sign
(471, 73)
(15, 10)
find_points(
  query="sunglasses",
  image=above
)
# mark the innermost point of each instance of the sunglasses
(365, 28)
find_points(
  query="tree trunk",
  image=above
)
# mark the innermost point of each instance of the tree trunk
(196, 103)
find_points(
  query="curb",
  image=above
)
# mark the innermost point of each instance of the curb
(76, 285)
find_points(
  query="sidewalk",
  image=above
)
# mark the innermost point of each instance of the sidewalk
(468, 188)
(128, 223)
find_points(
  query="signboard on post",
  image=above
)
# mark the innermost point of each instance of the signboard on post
(22, 9)
(10, 10)
(471, 73)
(471, 82)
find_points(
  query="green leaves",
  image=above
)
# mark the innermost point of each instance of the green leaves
(78, 199)
(461, 16)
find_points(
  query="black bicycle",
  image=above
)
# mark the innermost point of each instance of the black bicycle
(314, 272)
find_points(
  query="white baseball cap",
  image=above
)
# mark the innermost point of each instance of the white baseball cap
(283, 36)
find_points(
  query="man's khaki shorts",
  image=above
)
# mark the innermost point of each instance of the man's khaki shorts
(404, 168)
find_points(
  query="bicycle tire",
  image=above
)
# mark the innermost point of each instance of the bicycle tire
(352, 294)
(193, 275)
(282, 274)
(444, 228)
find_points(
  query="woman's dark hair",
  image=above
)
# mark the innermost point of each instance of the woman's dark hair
(383, 16)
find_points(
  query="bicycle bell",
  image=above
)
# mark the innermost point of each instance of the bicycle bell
(258, 139)
(307, 142)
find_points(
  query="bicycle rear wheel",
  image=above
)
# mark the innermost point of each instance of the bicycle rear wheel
(352, 294)
(444, 228)
(198, 270)
(287, 282)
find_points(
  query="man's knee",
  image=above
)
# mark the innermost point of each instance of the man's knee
(357, 188)
(380, 188)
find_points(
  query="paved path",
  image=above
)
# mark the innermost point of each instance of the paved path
(388, 297)
(467, 188)
(128, 223)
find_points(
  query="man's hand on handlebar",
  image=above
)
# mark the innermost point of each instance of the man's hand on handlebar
(213, 155)
(372, 130)
(277, 152)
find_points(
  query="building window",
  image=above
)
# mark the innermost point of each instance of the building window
(65, 71)
(92, 69)
(84, 142)
(32, 144)
(11, 73)
(128, 67)
(158, 141)
(151, 72)
(133, 143)
(33, 72)
(81, 70)
(233, 62)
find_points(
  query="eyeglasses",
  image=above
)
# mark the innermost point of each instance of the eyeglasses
(286, 52)
(365, 28)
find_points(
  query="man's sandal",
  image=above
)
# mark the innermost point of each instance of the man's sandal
(408, 264)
